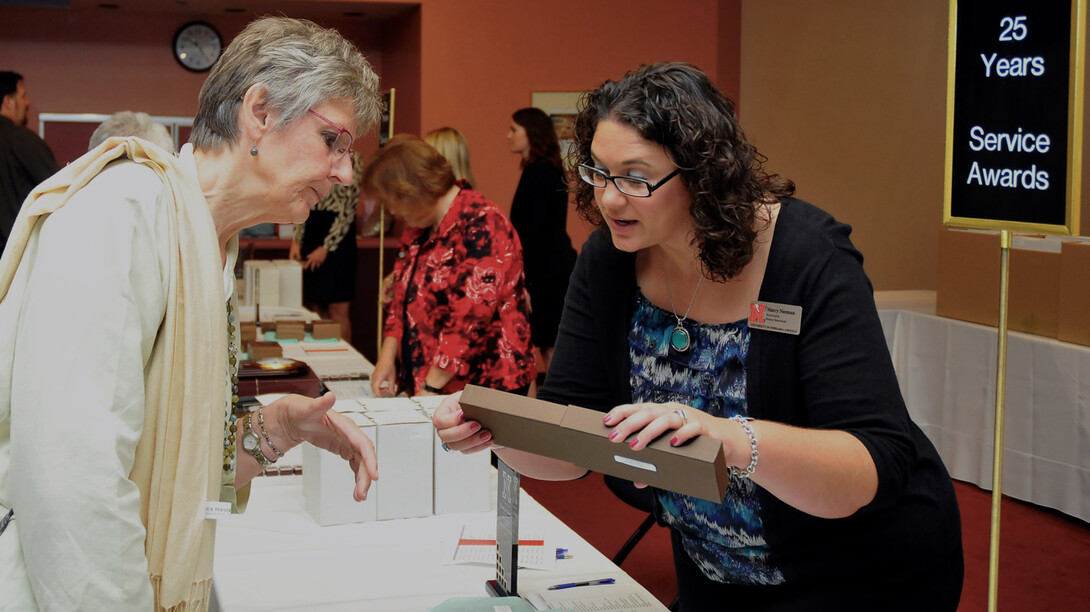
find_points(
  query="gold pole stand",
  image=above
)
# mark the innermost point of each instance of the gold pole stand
(1000, 393)
(381, 270)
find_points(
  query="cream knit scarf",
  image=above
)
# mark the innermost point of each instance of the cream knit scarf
(177, 466)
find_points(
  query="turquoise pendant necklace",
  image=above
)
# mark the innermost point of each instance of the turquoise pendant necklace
(679, 337)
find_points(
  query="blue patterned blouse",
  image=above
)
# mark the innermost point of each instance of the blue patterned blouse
(725, 540)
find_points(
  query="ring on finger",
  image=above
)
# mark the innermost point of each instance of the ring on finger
(681, 413)
(446, 448)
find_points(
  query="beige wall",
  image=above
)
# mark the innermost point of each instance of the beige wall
(848, 99)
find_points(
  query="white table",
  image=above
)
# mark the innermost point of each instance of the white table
(274, 557)
(947, 372)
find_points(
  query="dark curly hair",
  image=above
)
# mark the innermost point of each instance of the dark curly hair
(677, 106)
(541, 136)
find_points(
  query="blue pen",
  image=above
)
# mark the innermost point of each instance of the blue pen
(568, 585)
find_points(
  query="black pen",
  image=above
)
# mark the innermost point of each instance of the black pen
(568, 585)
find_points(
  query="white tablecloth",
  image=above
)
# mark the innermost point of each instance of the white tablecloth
(274, 557)
(947, 371)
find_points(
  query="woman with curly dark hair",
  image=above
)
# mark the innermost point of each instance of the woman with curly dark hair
(712, 303)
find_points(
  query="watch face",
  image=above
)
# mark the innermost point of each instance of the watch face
(197, 46)
(249, 441)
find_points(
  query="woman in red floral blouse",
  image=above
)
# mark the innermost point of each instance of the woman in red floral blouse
(459, 313)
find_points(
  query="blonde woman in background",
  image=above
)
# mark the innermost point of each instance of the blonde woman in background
(452, 145)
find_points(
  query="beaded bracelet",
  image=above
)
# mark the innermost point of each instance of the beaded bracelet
(261, 425)
(753, 454)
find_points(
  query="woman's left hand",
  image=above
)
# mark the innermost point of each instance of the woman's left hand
(649, 421)
(313, 420)
(315, 258)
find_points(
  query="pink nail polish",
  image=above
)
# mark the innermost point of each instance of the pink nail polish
(607, 419)
(613, 434)
(460, 416)
(484, 436)
(474, 427)
(634, 442)
(673, 441)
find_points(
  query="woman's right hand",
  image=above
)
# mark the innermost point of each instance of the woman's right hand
(457, 433)
(384, 379)
(295, 251)
(387, 290)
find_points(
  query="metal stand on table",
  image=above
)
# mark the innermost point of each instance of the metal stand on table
(507, 533)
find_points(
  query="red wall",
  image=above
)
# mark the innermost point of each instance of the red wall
(468, 64)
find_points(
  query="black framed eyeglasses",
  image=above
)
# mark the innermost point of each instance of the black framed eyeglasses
(342, 144)
(628, 185)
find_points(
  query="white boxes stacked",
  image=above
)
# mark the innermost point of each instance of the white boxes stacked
(416, 477)
(278, 281)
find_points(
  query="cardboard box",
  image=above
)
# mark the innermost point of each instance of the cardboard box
(291, 329)
(968, 280)
(328, 482)
(260, 349)
(247, 332)
(1073, 312)
(575, 434)
(403, 444)
(325, 329)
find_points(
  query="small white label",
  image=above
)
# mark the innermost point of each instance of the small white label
(501, 608)
(641, 465)
(782, 318)
(216, 510)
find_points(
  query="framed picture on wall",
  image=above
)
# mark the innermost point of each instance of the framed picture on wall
(562, 107)
(386, 123)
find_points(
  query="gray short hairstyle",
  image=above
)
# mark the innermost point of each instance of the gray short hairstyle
(128, 123)
(301, 63)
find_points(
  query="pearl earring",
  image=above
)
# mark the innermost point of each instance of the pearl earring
(253, 150)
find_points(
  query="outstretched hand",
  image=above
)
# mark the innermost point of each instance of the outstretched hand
(313, 420)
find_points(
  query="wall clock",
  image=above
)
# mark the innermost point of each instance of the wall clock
(197, 45)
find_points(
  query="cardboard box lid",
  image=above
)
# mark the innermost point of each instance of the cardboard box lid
(571, 433)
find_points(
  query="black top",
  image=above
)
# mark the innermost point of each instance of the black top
(836, 374)
(539, 213)
(25, 161)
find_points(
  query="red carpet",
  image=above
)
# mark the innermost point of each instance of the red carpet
(1044, 556)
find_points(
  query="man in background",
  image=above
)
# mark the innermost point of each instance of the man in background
(25, 159)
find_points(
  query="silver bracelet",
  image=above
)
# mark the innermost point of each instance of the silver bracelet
(261, 425)
(753, 454)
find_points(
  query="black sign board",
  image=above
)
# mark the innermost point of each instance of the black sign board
(507, 532)
(1014, 115)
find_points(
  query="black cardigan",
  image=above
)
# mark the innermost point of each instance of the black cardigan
(836, 374)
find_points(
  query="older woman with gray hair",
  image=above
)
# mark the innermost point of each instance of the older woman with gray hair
(119, 432)
(128, 123)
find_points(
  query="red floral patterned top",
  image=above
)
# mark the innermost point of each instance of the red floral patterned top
(460, 300)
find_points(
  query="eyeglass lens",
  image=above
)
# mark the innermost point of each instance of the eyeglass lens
(628, 186)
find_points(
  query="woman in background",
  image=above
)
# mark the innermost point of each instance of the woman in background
(452, 145)
(539, 213)
(326, 245)
(458, 314)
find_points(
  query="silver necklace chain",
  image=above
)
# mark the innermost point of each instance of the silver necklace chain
(671, 295)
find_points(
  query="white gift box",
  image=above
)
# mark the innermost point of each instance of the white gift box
(404, 448)
(461, 481)
(328, 482)
(261, 276)
(291, 283)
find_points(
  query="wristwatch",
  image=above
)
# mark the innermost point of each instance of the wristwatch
(431, 389)
(252, 443)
